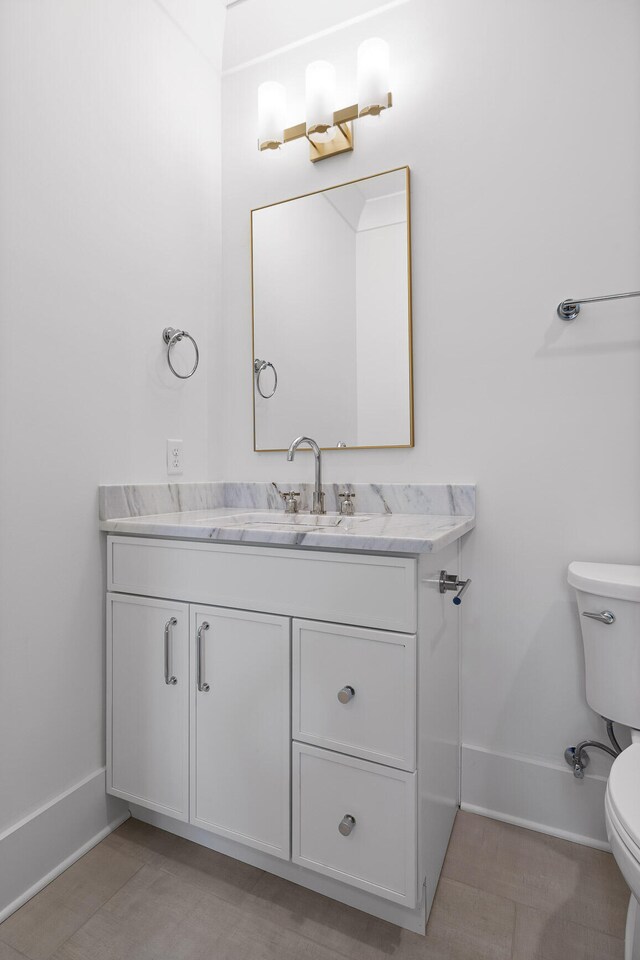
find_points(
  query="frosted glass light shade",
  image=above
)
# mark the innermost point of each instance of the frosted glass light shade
(320, 96)
(373, 76)
(272, 106)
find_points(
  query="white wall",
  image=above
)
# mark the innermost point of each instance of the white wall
(519, 122)
(109, 231)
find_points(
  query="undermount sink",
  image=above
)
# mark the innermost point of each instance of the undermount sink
(275, 518)
(284, 519)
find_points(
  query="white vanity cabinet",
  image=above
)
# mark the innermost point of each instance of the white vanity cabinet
(296, 709)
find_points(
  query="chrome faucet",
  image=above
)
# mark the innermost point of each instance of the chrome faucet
(318, 495)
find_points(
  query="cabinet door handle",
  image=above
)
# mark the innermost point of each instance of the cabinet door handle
(169, 679)
(346, 694)
(202, 686)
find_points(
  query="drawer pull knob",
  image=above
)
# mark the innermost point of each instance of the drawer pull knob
(346, 694)
(347, 824)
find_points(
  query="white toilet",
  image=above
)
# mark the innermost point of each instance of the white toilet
(609, 604)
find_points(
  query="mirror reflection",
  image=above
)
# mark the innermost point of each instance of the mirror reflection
(332, 316)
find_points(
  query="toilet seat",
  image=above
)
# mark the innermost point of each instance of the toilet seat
(622, 815)
(622, 841)
(623, 793)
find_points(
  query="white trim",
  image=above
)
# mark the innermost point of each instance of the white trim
(313, 36)
(537, 827)
(535, 794)
(61, 867)
(38, 848)
(535, 761)
(50, 804)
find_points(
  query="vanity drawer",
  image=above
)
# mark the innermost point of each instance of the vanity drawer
(378, 721)
(375, 591)
(379, 852)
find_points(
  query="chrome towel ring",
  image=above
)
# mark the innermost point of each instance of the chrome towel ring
(259, 367)
(172, 336)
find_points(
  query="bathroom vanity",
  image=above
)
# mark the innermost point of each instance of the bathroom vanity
(285, 691)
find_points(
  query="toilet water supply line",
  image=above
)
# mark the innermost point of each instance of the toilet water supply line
(578, 758)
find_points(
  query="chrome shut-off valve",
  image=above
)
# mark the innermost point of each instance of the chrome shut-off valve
(450, 581)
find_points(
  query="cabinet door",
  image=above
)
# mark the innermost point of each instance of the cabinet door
(148, 703)
(240, 726)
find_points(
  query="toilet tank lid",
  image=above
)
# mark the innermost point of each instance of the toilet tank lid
(620, 581)
(624, 790)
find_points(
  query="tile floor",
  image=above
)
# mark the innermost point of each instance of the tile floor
(142, 894)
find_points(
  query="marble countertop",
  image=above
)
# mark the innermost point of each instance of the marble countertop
(389, 533)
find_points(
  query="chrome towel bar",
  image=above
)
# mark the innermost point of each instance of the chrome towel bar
(569, 309)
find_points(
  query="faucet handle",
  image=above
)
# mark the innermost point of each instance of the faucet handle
(347, 507)
(291, 504)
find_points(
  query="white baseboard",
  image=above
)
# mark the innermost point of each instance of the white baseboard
(529, 793)
(36, 850)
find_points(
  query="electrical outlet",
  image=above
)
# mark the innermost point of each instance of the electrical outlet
(174, 457)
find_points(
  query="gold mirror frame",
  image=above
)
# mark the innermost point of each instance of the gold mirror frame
(391, 446)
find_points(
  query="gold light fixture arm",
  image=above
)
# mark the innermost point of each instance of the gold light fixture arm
(343, 140)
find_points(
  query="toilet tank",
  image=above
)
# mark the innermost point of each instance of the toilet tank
(611, 650)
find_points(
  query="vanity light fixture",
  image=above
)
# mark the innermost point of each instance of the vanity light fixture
(328, 130)
(373, 77)
(320, 101)
(272, 107)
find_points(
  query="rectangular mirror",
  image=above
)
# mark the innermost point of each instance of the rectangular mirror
(331, 275)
